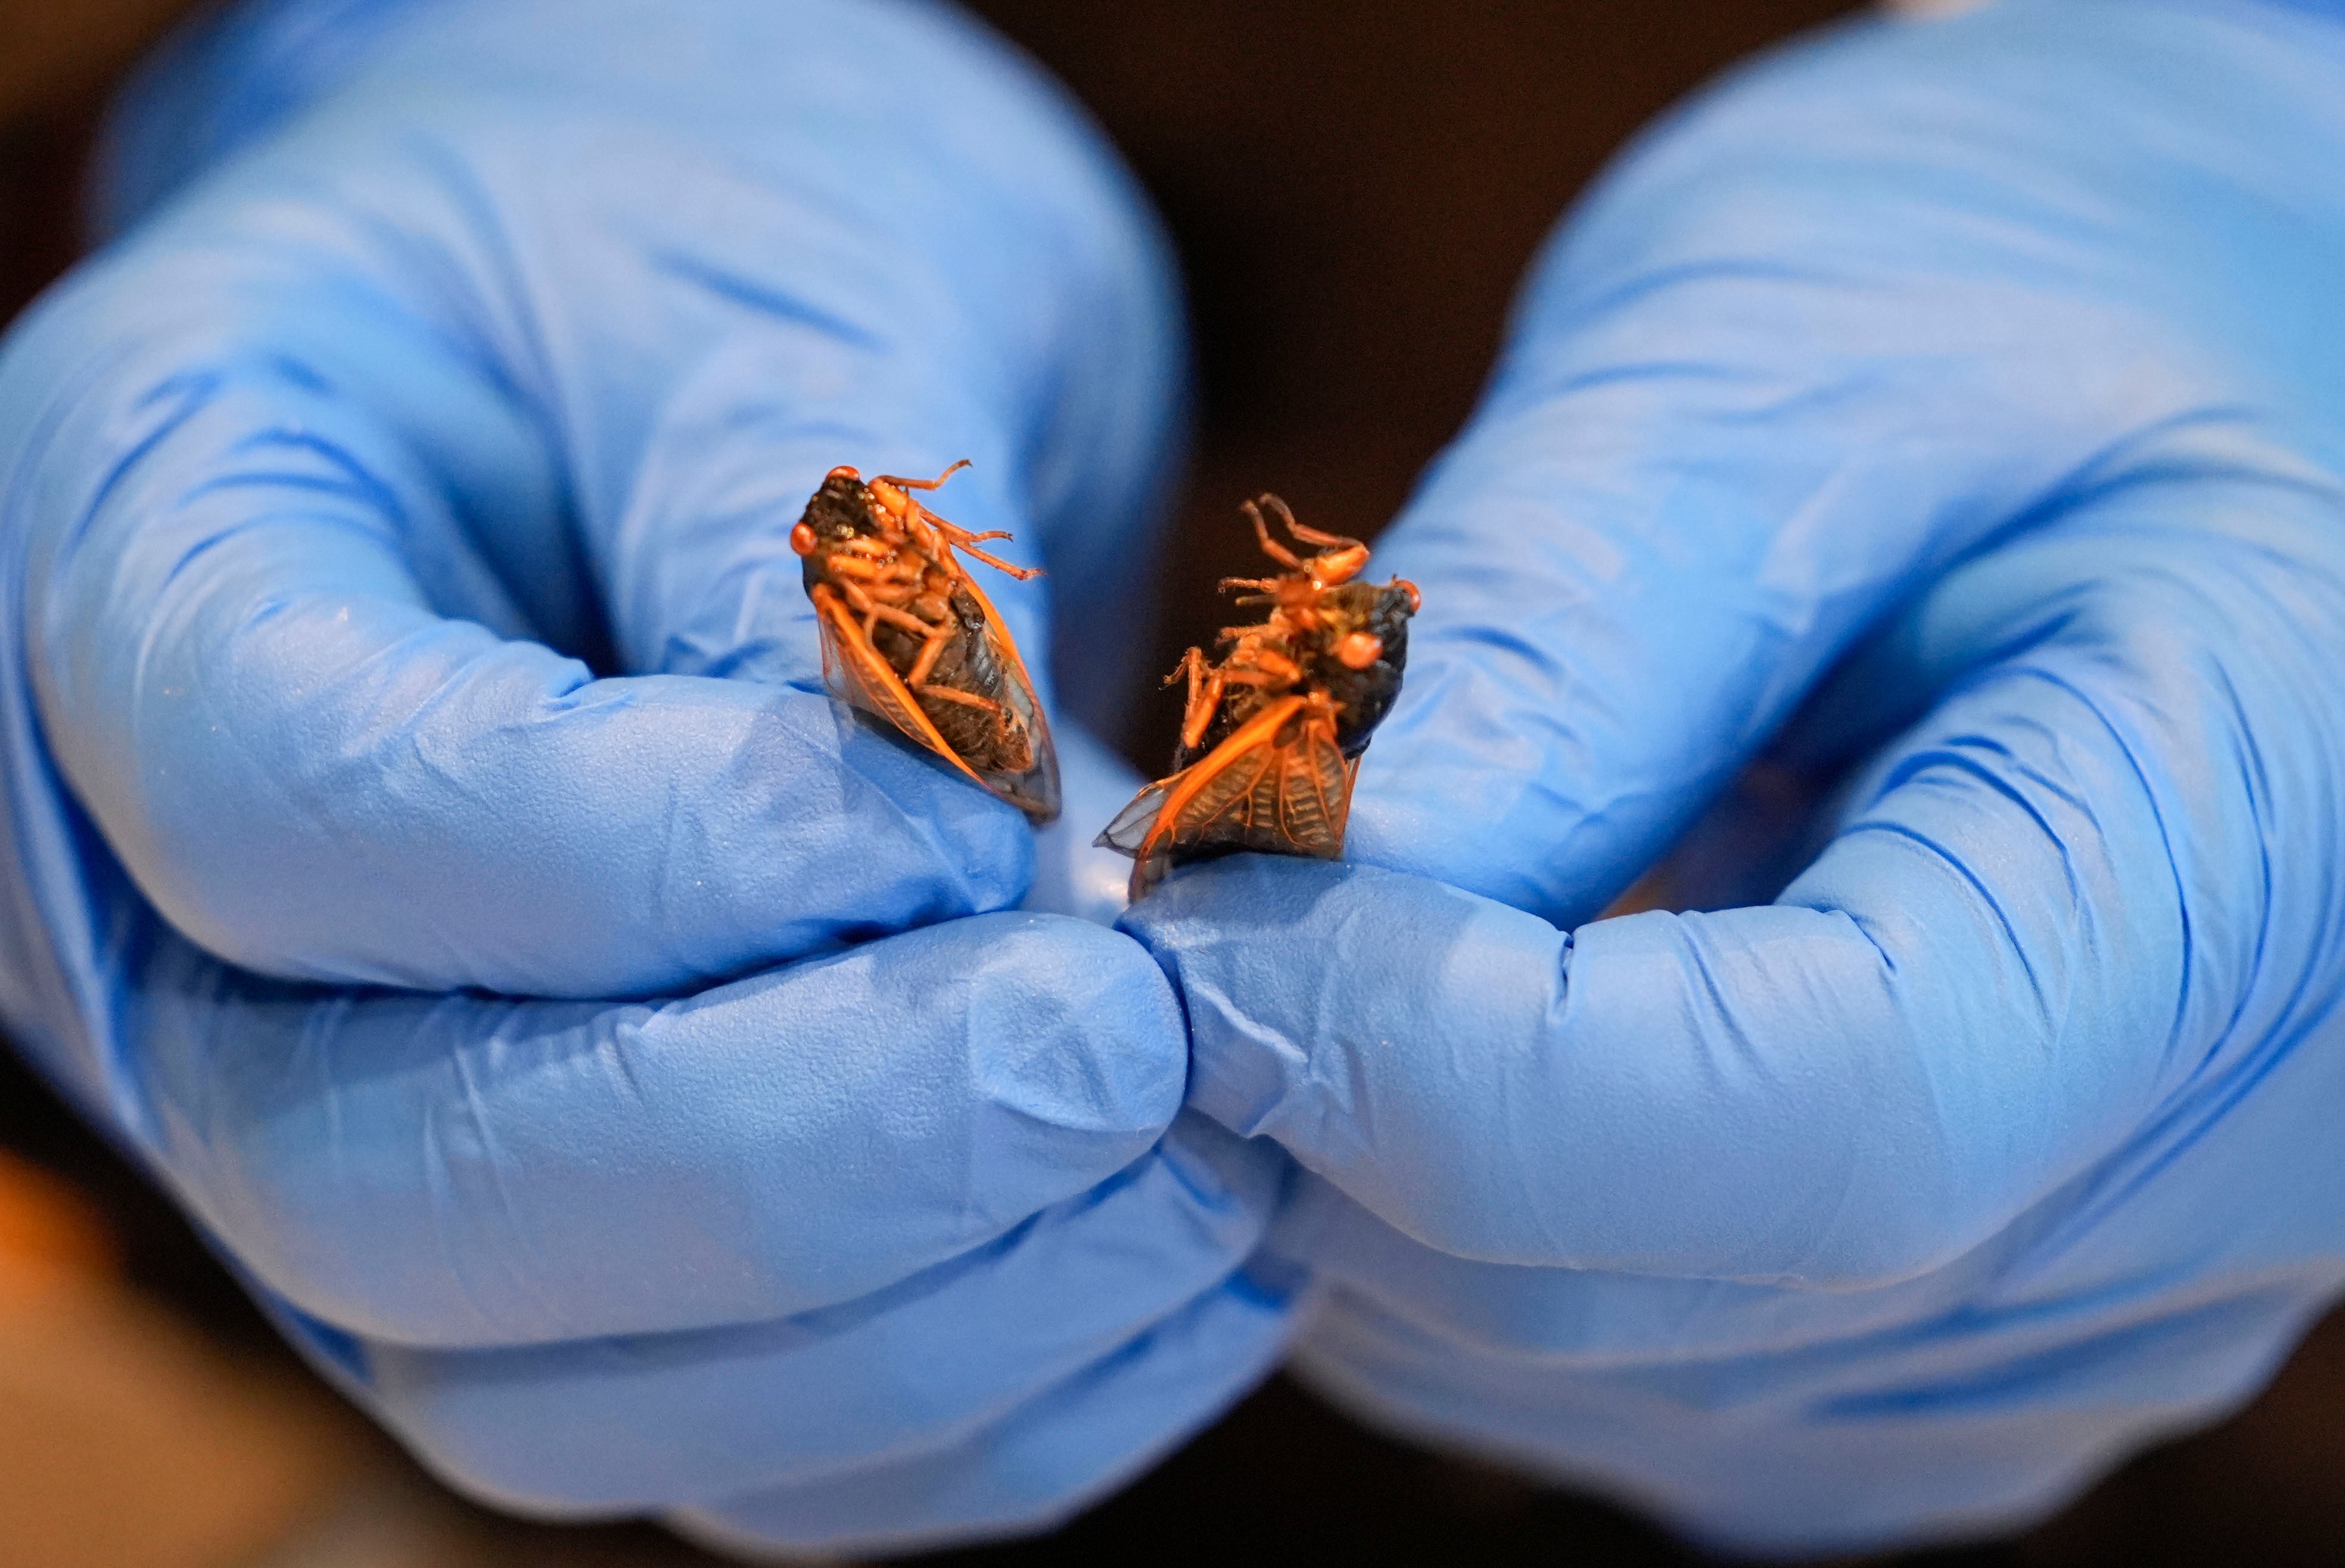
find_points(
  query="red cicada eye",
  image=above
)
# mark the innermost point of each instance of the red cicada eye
(802, 540)
(1357, 650)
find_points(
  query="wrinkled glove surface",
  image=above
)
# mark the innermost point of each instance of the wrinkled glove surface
(427, 844)
(1947, 419)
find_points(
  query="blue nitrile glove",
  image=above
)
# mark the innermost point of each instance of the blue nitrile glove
(621, 1065)
(1960, 404)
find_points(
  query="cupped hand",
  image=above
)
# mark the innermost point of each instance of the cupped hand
(1940, 424)
(429, 844)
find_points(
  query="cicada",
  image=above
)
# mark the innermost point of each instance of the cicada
(908, 637)
(1271, 735)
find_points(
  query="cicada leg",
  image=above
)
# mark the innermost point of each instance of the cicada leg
(966, 699)
(1270, 546)
(903, 618)
(1205, 686)
(1263, 667)
(959, 539)
(1340, 558)
(936, 483)
(1009, 729)
(921, 523)
(930, 650)
(939, 537)
(1308, 535)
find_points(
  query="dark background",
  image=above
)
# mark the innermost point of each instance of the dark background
(1354, 189)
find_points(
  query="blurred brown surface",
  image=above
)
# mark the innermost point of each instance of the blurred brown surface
(1353, 190)
(56, 54)
(128, 1439)
(51, 1233)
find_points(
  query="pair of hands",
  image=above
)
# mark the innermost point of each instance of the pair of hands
(1937, 427)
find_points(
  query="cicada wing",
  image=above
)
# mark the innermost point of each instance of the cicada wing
(1036, 790)
(1311, 794)
(1131, 827)
(1211, 802)
(1129, 833)
(1221, 800)
(1279, 784)
(857, 672)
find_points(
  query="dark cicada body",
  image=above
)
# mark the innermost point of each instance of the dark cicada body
(908, 637)
(1272, 734)
(1363, 695)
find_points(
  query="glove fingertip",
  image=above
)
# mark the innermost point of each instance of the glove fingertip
(1082, 1035)
(980, 846)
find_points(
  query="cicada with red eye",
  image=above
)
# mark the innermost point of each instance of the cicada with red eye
(1271, 735)
(907, 635)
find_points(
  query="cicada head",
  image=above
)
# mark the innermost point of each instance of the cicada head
(841, 511)
(1361, 641)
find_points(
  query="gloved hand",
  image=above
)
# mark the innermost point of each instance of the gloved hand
(427, 844)
(1947, 420)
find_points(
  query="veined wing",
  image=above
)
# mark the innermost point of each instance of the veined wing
(1035, 791)
(1277, 783)
(857, 672)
